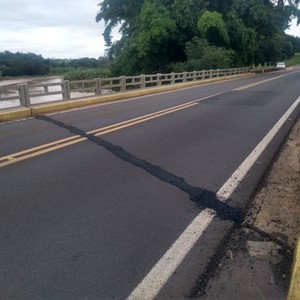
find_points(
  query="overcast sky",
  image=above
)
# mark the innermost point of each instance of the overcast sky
(55, 28)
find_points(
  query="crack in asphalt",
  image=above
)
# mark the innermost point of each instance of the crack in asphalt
(203, 198)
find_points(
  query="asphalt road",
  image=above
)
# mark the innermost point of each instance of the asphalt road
(90, 216)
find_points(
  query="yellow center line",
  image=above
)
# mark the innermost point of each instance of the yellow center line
(46, 148)
(35, 149)
(39, 150)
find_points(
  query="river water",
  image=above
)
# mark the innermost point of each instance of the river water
(35, 90)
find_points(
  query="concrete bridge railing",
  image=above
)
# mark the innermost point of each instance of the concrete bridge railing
(30, 94)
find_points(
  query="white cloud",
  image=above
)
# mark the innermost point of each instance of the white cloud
(62, 29)
(294, 29)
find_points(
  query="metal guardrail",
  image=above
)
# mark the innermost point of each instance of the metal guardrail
(25, 94)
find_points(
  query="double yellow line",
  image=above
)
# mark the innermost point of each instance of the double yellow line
(62, 143)
(36, 151)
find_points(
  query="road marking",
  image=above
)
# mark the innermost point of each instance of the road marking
(156, 94)
(150, 95)
(248, 86)
(154, 281)
(43, 149)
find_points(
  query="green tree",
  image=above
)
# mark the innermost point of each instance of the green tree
(20, 64)
(212, 27)
(152, 44)
(203, 56)
(155, 32)
(115, 12)
(242, 39)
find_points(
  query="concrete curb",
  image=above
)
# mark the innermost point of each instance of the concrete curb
(15, 114)
(23, 112)
(294, 290)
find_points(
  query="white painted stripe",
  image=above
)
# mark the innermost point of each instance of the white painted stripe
(231, 184)
(165, 267)
(260, 82)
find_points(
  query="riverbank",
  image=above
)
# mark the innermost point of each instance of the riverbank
(22, 80)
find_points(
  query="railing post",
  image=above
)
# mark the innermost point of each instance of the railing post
(158, 79)
(143, 81)
(194, 75)
(98, 90)
(24, 95)
(172, 78)
(66, 92)
(218, 72)
(123, 83)
(184, 77)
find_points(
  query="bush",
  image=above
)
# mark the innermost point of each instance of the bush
(83, 74)
(202, 56)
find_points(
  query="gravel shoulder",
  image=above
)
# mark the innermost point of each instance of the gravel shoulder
(259, 256)
(277, 205)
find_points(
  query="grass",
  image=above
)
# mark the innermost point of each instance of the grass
(295, 60)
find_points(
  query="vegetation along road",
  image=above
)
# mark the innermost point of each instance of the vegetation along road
(138, 195)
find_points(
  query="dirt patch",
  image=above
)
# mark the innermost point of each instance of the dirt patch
(276, 207)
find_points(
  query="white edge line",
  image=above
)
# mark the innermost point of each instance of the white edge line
(154, 281)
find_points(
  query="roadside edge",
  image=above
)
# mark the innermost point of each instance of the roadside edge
(15, 114)
(294, 290)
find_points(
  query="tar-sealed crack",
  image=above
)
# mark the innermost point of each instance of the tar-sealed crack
(203, 198)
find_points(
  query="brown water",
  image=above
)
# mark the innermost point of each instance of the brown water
(35, 90)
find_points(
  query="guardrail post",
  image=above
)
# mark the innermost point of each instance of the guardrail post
(184, 77)
(194, 75)
(98, 90)
(172, 78)
(158, 79)
(143, 81)
(66, 92)
(123, 83)
(24, 95)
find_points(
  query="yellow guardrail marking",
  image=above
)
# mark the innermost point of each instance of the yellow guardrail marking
(294, 290)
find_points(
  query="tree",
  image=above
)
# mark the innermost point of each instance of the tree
(203, 56)
(242, 39)
(212, 27)
(155, 32)
(151, 45)
(115, 12)
(20, 64)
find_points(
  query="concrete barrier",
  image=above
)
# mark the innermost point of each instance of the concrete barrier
(33, 110)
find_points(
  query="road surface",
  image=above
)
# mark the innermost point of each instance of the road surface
(134, 199)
